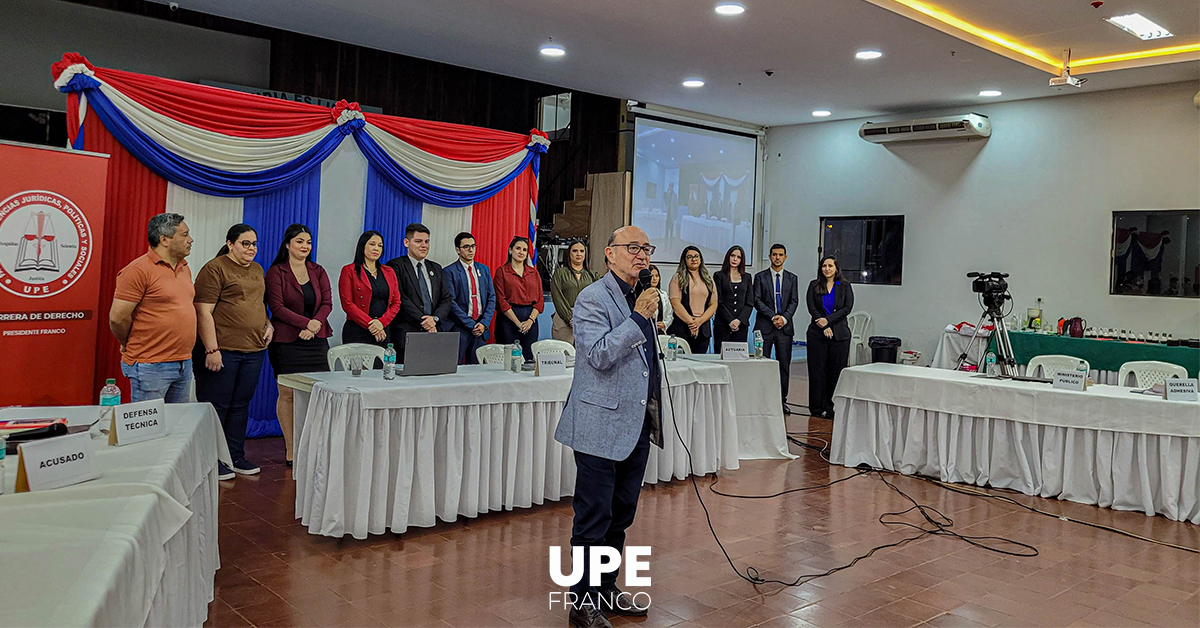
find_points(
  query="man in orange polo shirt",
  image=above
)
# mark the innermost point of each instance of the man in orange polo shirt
(152, 314)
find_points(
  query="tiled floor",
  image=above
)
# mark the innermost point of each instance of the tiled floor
(493, 570)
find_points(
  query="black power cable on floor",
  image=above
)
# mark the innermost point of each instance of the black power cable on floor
(939, 527)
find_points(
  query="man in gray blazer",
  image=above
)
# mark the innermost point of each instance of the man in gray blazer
(612, 415)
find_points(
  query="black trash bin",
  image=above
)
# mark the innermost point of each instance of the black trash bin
(884, 348)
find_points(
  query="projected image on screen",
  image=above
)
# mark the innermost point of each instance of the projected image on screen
(693, 186)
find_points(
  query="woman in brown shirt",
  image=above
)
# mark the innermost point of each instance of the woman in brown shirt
(519, 299)
(234, 334)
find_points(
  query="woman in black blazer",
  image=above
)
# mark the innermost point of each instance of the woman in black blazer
(735, 299)
(830, 299)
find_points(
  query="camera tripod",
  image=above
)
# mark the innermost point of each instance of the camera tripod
(1004, 353)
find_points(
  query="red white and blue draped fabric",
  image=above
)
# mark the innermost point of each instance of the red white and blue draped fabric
(220, 157)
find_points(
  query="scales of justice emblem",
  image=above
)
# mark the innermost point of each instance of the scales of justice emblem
(45, 243)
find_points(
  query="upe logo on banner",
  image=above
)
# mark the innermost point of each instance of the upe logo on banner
(45, 243)
(601, 560)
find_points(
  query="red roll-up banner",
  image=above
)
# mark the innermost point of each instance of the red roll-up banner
(51, 227)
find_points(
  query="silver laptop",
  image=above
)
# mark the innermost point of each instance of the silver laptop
(430, 354)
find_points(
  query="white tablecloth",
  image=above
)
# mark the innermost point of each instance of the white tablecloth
(653, 222)
(1106, 446)
(135, 547)
(762, 433)
(373, 456)
(952, 344)
(706, 232)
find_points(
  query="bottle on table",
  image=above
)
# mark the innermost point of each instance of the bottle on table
(110, 395)
(515, 360)
(672, 349)
(758, 344)
(389, 362)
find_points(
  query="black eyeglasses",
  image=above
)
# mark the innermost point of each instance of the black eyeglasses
(247, 244)
(636, 249)
(467, 247)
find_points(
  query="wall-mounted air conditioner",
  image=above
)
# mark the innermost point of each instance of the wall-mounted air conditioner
(971, 126)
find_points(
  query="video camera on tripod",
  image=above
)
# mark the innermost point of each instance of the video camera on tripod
(993, 292)
(992, 287)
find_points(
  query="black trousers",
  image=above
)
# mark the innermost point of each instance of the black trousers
(230, 391)
(606, 497)
(778, 345)
(722, 334)
(826, 359)
(507, 332)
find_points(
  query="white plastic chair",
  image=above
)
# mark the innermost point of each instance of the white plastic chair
(1150, 372)
(552, 346)
(1051, 364)
(860, 329)
(682, 346)
(492, 354)
(343, 353)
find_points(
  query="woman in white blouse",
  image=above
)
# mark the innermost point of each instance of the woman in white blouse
(665, 314)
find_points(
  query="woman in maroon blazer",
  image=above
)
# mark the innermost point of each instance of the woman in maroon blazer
(300, 299)
(369, 292)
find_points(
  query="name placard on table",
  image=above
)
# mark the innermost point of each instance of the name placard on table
(56, 462)
(734, 351)
(1181, 390)
(1070, 380)
(551, 363)
(137, 422)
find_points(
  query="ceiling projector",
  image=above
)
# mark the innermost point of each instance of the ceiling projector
(1065, 80)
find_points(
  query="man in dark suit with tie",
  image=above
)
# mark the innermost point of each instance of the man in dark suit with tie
(776, 297)
(424, 303)
(472, 299)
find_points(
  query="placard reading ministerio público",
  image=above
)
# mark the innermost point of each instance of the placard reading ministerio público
(137, 422)
(56, 462)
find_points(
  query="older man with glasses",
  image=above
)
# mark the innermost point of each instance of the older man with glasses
(612, 416)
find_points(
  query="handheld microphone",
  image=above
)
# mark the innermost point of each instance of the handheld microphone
(644, 279)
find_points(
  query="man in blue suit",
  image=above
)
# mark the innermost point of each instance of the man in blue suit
(612, 416)
(473, 300)
(776, 300)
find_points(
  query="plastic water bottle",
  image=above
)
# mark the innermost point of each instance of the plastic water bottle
(3, 445)
(758, 345)
(672, 349)
(389, 362)
(989, 365)
(516, 360)
(110, 395)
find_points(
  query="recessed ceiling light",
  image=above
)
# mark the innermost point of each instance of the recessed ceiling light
(990, 93)
(722, 151)
(1136, 24)
(693, 83)
(689, 156)
(552, 50)
(653, 145)
(672, 140)
(867, 55)
(729, 8)
(821, 113)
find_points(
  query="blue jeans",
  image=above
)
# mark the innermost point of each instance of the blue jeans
(161, 380)
(230, 390)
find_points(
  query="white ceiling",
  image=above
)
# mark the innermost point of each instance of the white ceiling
(643, 50)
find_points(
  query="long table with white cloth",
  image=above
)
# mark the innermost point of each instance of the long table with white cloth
(1109, 446)
(762, 433)
(135, 547)
(374, 456)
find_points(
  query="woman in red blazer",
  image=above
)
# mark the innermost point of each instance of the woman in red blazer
(369, 292)
(300, 299)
